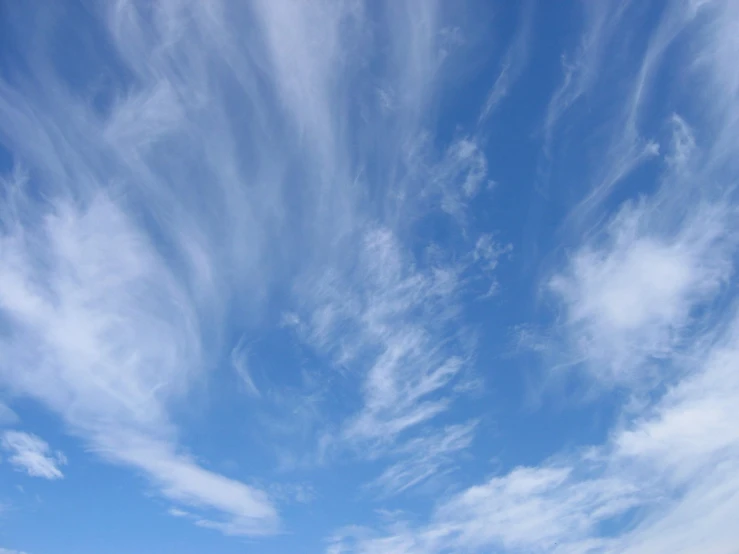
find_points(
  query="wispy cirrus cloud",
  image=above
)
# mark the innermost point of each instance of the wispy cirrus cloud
(424, 457)
(676, 463)
(581, 70)
(240, 363)
(643, 302)
(512, 64)
(379, 321)
(222, 171)
(374, 306)
(637, 287)
(216, 162)
(7, 416)
(109, 291)
(32, 455)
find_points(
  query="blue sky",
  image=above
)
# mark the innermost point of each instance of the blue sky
(346, 277)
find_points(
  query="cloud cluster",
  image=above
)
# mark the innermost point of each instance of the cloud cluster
(678, 462)
(644, 303)
(220, 169)
(211, 164)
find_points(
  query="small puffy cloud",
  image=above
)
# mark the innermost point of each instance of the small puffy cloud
(32, 455)
(460, 175)
(629, 298)
(175, 512)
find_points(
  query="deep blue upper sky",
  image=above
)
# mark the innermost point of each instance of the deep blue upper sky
(357, 277)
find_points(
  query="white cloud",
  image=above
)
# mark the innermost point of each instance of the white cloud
(675, 467)
(240, 363)
(32, 455)
(424, 457)
(647, 303)
(227, 170)
(627, 148)
(512, 64)
(631, 298)
(175, 512)
(115, 296)
(636, 287)
(219, 169)
(7, 416)
(581, 70)
(106, 353)
(366, 300)
(634, 290)
(293, 493)
(487, 254)
(241, 509)
(384, 318)
(459, 176)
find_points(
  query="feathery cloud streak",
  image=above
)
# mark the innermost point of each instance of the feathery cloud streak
(32, 455)
(161, 206)
(645, 305)
(215, 173)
